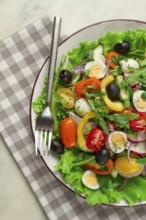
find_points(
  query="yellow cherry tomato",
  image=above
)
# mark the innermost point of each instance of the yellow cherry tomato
(126, 168)
(68, 97)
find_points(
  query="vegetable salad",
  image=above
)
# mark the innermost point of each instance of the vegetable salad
(99, 110)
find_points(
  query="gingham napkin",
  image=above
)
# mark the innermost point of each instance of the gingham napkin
(21, 57)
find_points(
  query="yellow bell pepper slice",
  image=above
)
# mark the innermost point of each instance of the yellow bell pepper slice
(115, 106)
(81, 142)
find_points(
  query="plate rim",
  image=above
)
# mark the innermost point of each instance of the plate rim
(32, 93)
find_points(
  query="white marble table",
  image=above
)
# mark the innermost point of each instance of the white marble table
(17, 200)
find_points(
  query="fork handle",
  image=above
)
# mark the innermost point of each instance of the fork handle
(53, 56)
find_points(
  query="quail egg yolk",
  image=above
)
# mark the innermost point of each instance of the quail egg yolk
(95, 70)
(90, 179)
(123, 166)
(141, 103)
(118, 140)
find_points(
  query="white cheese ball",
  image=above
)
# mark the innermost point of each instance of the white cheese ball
(82, 107)
(125, 64)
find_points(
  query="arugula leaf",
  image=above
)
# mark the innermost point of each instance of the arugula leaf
(99, 120)
(122, 119)
(136, 76)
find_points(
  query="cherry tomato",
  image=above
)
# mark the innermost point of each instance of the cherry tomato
(85, 85)
(139, 124)
(96, 168)
(109, 58)
(68, 132)
(96, 139)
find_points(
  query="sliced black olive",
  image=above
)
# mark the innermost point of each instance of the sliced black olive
(122, 48)
(102, 156)
(113, 91)
(57, 146)
(65, 76)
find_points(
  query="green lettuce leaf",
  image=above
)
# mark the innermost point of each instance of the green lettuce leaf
(137, 40)
(82, 54)
(39, 104)
(65, 163)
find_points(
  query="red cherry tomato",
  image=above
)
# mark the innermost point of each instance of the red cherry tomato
(96, 139)
(82, 86)
(109, 57)
(139, 124)
(68, 132)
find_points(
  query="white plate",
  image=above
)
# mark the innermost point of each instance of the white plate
(92, 32)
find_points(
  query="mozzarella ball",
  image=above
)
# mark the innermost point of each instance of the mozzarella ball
(125, 64)
(82, 107)
(98, 54)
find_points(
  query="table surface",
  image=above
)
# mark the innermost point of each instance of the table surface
(17, 200)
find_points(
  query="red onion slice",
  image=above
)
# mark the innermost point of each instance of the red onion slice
(141, 137)
(79, 69)
(110, 126)
(130, 146)
(136, 86)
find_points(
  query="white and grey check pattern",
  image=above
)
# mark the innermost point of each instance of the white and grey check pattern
(21, 57)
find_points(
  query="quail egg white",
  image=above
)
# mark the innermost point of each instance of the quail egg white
(96, 69)
(98, 53)
(81, 107)
(125, 64)
(139, 103)
(117, 141)
(89, 179)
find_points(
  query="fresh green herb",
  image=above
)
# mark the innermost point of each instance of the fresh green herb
(127, 103)
(84, 161)
(141, 161)
(94, 94)
(122, 119)
(116, 71)
(137, 76)
(99, 119)
(143, 95)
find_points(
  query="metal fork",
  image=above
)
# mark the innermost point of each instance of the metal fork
(44, 123)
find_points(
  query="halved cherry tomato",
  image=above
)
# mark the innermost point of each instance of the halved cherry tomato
(96, 139)
(127, 111)
(68, 132)
(86, 85)
(143, 114)
(96, 168)
(109, 58)
(139, 124)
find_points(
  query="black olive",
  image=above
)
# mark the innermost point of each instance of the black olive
(102, 156)
(65, 76)
(122, 48)
(113, 91)
(57, 146)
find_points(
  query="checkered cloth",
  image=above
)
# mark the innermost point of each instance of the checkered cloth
(21, 57)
